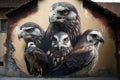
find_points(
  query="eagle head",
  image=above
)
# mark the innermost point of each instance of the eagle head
(63, 12)
(30, 30)
(64, 17)
(94, 37)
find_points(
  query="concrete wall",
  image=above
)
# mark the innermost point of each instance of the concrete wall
(2, 42)
(3, 37)
(88, 21)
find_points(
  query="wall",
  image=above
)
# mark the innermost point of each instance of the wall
(107, 50)
(88, 21)
(2, 35)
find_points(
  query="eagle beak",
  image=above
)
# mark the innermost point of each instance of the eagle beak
(20, 35)
(51, 16)
(101, 39)
(54, 17)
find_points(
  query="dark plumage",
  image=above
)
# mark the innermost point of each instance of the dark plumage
(84, 56)
(63, 17)
(60, 48)
(31, 32)
(37, 60)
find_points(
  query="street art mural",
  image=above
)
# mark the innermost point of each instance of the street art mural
(66, 45)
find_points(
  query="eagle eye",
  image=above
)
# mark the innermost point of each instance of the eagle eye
(29, 30)
(64, 12)
(94, 35)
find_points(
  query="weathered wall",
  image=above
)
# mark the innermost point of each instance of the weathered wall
(2, 43)
(88, 21)
(2, 52)
(2, 35)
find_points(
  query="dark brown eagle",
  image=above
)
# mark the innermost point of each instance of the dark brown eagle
(37, 60)
(84, 56)
(31, 32)
(63, 17)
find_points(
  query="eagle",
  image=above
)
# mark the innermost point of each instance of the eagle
(83, 56)
(63, 17)
(37, 60)
(31, 32)
(60, 48)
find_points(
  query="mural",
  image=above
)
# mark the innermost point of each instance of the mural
(51, 51)
(63, 47)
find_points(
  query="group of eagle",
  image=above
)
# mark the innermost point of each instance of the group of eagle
(61, 49)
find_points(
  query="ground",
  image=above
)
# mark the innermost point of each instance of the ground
(87, 78)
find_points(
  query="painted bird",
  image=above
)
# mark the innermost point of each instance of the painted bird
(63, 17)
(31, 32)
(84, 56)
(36, 59)
(60, 48)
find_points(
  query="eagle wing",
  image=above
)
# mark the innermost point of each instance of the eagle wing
(37, 61)
(76, 61)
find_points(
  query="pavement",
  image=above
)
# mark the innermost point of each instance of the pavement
(86, 78)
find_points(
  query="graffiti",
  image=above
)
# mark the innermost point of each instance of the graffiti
(51, 54)
(70, 44)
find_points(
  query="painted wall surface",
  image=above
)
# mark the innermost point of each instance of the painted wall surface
(2, 52)
(88, 21)
(107, 50)
(2, 40)
(2, 35)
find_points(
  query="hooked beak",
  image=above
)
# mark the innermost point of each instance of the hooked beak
(54, 17)
(20, 35)
(101, 39)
